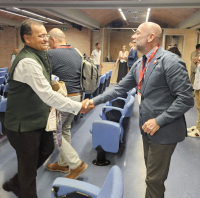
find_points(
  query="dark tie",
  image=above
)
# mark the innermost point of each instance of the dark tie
(144, 58)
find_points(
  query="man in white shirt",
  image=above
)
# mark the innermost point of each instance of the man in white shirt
(14, 54)
(96, 55)
(30, 97)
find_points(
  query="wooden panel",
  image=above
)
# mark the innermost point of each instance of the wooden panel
(109, 66)
(174, 31)
(190, 43)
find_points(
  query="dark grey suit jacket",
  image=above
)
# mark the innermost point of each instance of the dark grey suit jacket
(166, 95)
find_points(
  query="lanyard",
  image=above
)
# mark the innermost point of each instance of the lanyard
(143, 70)
(64, 46)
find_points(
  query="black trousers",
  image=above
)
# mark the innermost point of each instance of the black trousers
(157, 160)
(32, 149)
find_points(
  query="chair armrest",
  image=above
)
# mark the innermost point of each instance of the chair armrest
(70, 185)
(119, 98)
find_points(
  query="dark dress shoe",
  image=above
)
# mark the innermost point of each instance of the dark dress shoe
(9, 186)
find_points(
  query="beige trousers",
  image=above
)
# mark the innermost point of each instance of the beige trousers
(197, 102)
(68, 156)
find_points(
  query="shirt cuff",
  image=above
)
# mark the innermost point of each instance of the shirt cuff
(77, 107)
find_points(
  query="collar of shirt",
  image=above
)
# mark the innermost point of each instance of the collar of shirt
(149, 54)
(97, 50)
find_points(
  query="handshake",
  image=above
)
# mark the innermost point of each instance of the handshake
(87, 106)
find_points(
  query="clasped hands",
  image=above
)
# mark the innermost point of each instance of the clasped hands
(87, 106)
(150, 127)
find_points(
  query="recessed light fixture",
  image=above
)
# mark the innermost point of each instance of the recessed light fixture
(123, 16)
(38, 15)
(148, 12)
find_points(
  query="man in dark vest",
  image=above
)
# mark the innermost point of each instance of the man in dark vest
(30, 97)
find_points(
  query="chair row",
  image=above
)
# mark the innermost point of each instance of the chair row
(108, 133)
(104, 81)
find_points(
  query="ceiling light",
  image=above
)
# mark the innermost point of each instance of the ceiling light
(120, 10)
(54, 20)
(148, 12)
(38, 20)
(38, 16)
(13, 13)
(33, 13)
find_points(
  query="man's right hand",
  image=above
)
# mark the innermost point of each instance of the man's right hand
(86, 106)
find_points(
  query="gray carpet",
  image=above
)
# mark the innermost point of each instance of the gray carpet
(183, 180)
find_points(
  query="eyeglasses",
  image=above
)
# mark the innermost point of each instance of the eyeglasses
(44, 36)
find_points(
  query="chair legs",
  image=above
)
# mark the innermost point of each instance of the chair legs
(101, 157)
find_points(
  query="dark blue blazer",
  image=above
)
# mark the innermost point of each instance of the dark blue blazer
(132, 58)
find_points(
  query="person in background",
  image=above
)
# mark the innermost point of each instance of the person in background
(194, 131)
(122, 58)
(96, 55)
(193, 66)
(66, 64)
(164, 95)
(168, 47)
(14, 54)
(175, 50)
(30, 97)
(132, 57)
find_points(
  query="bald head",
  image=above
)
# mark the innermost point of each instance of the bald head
(147, 36)
(152, 28)
(57, 37)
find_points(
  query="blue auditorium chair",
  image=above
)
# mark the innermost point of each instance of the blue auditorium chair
(120, 102)
(2, 73)
(102, 81)
(112, 187)
(2, 79)
(4, 69)
(106, 81)
(110, 74)
(3, 103)
(109, 132)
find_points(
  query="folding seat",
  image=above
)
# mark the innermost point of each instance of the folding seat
(108, 132)
(112, 188)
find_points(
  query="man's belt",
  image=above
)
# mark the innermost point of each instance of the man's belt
(73, 94)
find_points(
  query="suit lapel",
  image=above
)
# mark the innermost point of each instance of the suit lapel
(150, 68)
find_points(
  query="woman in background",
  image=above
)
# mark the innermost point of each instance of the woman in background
(175, 50)
(122, 58)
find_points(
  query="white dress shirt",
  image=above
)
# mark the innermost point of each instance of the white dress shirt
(196, 85)
(96, 56)
(30, 72)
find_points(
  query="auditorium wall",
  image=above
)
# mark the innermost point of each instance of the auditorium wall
(8, 41)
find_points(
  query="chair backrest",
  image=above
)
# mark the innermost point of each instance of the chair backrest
(2, 78)
(113, 186)
(4, 69)
(128, 107)
(107, 75)
(110, 73)
(2, 73)
(3, 104)
(102, 79)
(132, 92)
